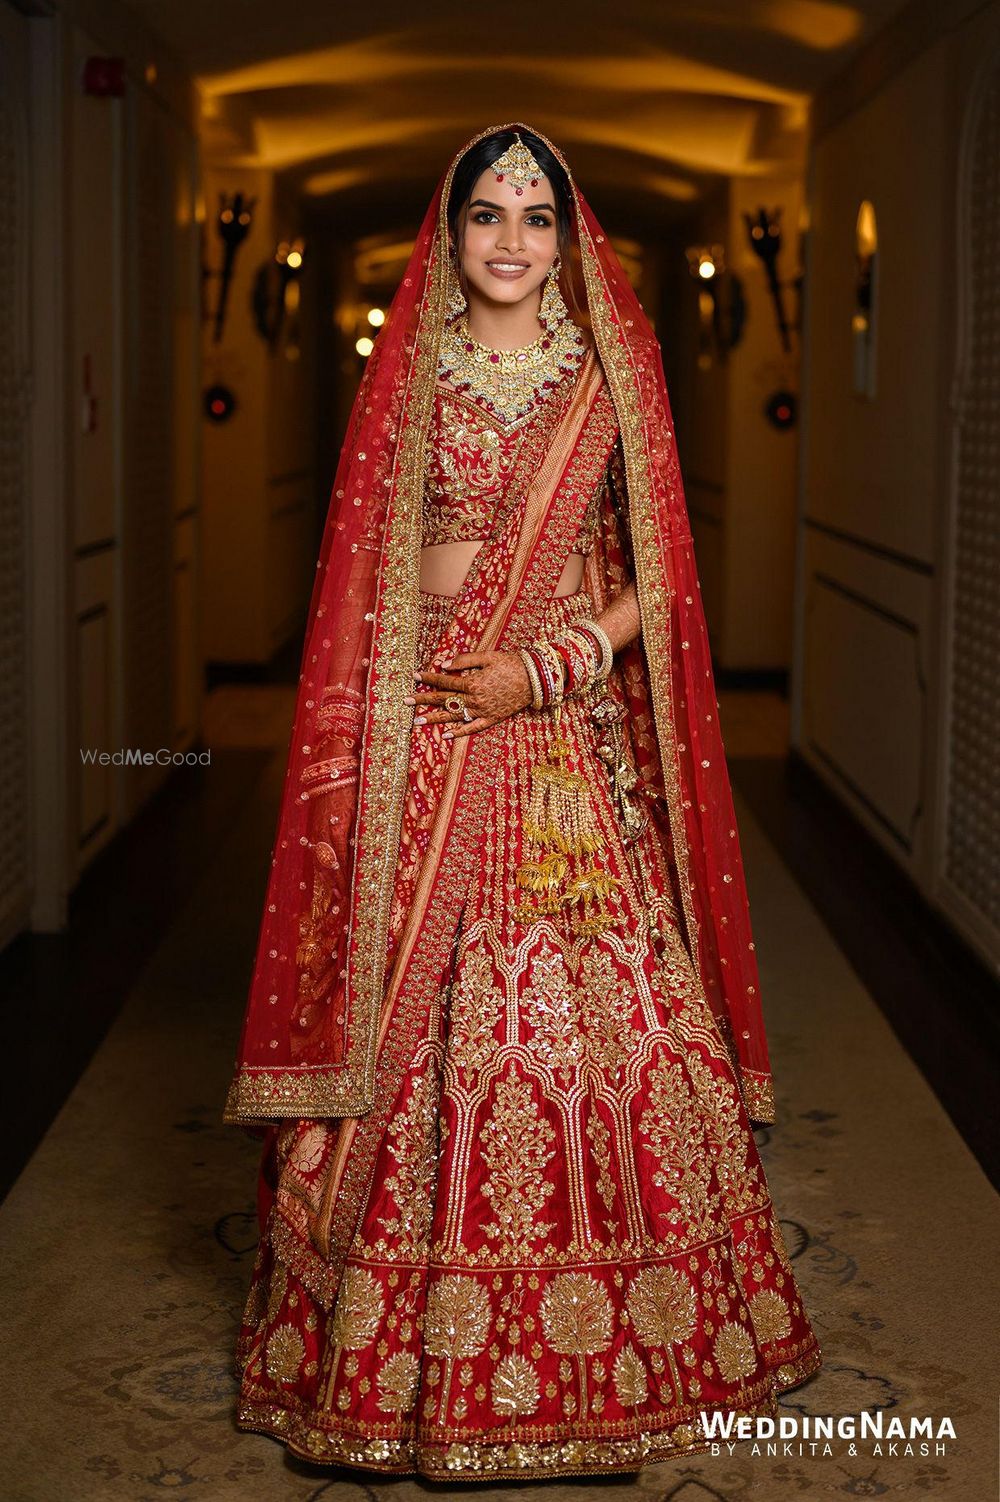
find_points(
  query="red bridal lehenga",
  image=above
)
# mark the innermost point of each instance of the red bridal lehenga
(513, 1218)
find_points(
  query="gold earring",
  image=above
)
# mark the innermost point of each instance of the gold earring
(553, 308)
(456, 303)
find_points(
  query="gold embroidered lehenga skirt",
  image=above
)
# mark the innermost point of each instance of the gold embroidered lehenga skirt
(564, 1250)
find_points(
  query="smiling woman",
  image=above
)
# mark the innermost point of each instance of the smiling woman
(504, 1026)
(505, 232)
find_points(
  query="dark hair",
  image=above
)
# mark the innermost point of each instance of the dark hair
(479, 156)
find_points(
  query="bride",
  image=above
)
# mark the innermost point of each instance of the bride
(504, 1035)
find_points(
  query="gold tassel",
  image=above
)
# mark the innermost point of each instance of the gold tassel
(559, 828)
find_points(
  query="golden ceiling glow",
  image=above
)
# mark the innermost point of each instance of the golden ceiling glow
(654, 101)
(814, 23)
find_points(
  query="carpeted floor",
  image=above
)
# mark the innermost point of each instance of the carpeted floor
(126, 1245)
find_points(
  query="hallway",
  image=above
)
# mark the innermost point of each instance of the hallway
(207, 212)
(127, 1242)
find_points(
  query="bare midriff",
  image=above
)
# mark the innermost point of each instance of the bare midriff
(443, 569)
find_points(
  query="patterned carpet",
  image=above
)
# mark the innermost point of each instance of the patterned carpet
(126, 1245)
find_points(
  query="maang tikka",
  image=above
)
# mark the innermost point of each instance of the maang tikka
(517, 166)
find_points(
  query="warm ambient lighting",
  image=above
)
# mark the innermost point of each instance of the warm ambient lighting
(290, 256)
(866, 231)
(376, 317)
(364, 346)
(863, 318)
(706, 261)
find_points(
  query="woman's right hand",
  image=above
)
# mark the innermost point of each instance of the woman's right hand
(493, 686)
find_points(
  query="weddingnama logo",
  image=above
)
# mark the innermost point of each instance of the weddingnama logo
(808, 1434)
(132, 756)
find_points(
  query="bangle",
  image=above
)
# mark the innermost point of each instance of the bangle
(603, 640)
(581, 651)
(531, 668)
(569, 673)
(552, 671)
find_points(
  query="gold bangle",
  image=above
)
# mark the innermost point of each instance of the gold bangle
(557, 669)
(537, 697)
(607, 650)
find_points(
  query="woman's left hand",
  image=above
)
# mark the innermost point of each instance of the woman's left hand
(492, 685)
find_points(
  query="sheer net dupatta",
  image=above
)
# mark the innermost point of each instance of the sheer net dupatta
(308, 1041)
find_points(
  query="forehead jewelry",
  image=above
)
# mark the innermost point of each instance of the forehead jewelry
(518, 166)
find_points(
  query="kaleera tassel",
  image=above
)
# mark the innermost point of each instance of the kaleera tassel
(561, 833)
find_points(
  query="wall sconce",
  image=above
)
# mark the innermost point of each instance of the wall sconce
(276, 290)
(705, 262)
(764, 235)
(865, 301)
(232, 225)
(721, 327)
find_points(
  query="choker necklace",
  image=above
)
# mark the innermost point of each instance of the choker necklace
(510, 382)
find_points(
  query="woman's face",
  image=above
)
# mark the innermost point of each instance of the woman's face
(509, 241)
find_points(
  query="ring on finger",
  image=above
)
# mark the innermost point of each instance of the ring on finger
(455, 704)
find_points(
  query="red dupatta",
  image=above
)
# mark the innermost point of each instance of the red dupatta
(318, 996)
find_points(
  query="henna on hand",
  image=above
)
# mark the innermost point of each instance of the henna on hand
(494, 685)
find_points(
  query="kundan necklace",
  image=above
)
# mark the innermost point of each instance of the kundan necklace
(510, 382)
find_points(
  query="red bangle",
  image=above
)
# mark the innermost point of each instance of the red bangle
(567, 664)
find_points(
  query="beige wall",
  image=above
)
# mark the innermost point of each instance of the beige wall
(258, 468)
(739, 471)
(876, 488)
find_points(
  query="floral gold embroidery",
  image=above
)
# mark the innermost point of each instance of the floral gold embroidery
(414, 1135)
(397, 1383)
(517, 1146)
(663, 1308)
(285, 1353)
(515, 1388)
(456, 1325)
(673, 1125)
(577, 1319)
(734, 1352)
(770, 1315)
(631, 1385)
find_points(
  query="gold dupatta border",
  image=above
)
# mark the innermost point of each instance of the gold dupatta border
(653, 591)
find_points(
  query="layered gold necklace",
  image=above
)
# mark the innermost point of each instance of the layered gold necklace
(510, 382)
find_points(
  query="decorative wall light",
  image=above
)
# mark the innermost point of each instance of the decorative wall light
(706, 262)
(721, 304)
(233, 225)
(764, 235)
(865, 301)
(276, 291)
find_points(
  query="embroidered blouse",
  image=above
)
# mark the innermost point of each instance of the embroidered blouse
(470, 458)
